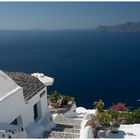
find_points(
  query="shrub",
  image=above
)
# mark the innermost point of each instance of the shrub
(61, 100)
(104, 118)
(54, 96)
(137, 115)
(126, 118)
(99, 105)
(119, 107)
(66, 99)
(120, 113)
(129, 118)
(116, 124)
(114, 115)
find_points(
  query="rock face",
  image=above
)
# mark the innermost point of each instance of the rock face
(126, 27)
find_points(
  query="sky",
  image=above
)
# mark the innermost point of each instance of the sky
(65, 15)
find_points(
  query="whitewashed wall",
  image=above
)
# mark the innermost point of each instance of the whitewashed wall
(86, 131)
(12, 106)
(29, 107)
(37, 129)
(71, 113)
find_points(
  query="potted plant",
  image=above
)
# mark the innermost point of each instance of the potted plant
(65, 100)
(115, 126)
(53, 99)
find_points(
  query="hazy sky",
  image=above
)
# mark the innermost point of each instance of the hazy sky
(65, 15)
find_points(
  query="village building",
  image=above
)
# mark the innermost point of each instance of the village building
(23, 102)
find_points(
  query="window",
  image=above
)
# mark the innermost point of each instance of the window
(14, 122)
(37, 111)
(43, 93)
(17, 121)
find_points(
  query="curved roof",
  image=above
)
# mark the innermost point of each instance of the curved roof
(6, 84)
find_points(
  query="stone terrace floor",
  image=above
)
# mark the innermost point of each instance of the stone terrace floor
(65, 128)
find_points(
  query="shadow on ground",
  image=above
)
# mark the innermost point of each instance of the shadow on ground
(119, 135)
(61, 127)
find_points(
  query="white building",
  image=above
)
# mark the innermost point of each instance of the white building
(23, 102)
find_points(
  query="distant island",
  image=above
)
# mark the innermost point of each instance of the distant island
(126, 27)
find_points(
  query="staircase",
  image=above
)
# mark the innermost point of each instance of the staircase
(65, 128)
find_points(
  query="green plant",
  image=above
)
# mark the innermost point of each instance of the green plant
(99, 105)
(66, 99)
(118, 112)
(127, 117)
(115, 126)
(115, 123)
(114, 115)
(54, 96)
(137, 115)
(104, 118)
(130, 117)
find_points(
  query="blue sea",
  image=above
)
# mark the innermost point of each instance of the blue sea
(85, 64)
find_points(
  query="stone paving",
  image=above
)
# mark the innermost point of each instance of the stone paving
(65, 128)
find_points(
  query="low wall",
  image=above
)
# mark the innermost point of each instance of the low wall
(86, 131)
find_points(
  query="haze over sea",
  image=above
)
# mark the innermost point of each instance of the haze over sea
(85, 64)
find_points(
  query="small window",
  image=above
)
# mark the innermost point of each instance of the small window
(37, 111)
(14, 122)
(17, 121)
(42, 94)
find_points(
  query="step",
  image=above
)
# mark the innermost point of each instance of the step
(72, 130)
(66, 130)
(68, 122)
(63, 125)
(61, 119)
(55, 134)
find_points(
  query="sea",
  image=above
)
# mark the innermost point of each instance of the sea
(85, 64)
